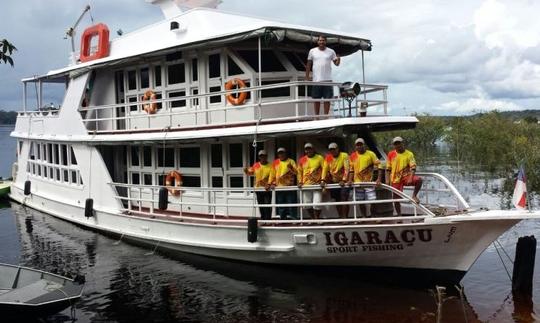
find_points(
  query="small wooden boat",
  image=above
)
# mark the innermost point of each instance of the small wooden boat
(4, 188)
(26, 292)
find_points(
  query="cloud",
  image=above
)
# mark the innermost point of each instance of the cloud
(475, 105)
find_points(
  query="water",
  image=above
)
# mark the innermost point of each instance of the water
(127, 284)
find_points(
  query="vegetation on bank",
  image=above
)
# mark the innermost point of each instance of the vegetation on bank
(6, 50)
(495, 142)
(7, 117)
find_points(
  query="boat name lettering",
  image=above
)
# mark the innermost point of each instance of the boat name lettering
(450, 234)
(355, 241)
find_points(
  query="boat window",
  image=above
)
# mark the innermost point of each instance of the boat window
(217, 181)
(195, 102)
(45, 172)
(66, 176)
(165, 157)
(254, 150)
(56, 154)
(190, 157)
(132, 107)
(147, 156)
(134, 156)
(296, 61)
(119, 85)
(232, 67)
(57, 174)
(49, 153)
(173, 56)
(159, 97)
(217, 98)
(64, 155)
(32, 154)
(236, 181)
(235, 155)
(214, 66)
(132, 80)
(157, 75)
(161, 179)
(278, 92)
(73, 177)
(191, 181)
(194, 70)
(73, 159)
(38, 170)
(217, 156)
(177, 103)
(147, 178)
(176, 73)
(38, 151)
(135, 178)
(145, 78)
(269, 61)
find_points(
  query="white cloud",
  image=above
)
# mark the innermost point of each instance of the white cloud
(475, 105)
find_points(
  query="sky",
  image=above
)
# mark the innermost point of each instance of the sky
(438, 57)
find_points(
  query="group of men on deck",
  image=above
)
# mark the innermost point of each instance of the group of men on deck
(336, 167)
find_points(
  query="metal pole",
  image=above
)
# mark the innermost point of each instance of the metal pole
(40, 95)
(260, 63)
(363, 74)
(24, 96)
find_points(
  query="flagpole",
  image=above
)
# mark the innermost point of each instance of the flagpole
(526, 189)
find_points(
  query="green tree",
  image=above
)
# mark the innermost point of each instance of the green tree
(6, 50)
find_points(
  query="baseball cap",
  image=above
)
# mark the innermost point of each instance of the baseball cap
(262, 152)
(397, 139)
(281, 150)
(359, 140)
(333, 145)
(308, 145)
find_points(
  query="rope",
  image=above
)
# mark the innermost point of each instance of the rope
(502, 261)
(460, 289)
(254, 145)
(500, 245)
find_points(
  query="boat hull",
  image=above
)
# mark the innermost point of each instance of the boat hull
(446, 249)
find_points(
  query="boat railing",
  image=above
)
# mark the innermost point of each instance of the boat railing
(439, 194)
(105, 118)
(144, 199)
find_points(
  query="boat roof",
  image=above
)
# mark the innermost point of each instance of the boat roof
(210, 27)
(336, 127)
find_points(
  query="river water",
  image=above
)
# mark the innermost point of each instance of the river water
(128, 283)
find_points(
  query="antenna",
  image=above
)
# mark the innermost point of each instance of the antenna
(71, 30)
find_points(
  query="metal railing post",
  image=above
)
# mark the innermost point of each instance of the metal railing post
(354, 201)
(301, 199)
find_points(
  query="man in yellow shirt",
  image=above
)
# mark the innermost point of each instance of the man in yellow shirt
(401, 169)
(363, 163)
(264, 173)
(285, 175)
(336, 171)
(309, 173)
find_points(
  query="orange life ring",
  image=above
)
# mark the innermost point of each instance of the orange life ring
(150, 108)
(102, 32)
(242, 96)
(177, 182)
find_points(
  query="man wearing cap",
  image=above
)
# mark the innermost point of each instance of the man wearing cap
(363, 163)
(285, 175)
(264, 174)
(320, 59)
(309, 173)
(336, 171)
(401, 169)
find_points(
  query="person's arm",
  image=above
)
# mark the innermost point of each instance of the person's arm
(379, 172)
(308, 69)
(336, 59)
(412, 166)
(325, 168)
(248, 171)
(299, 175)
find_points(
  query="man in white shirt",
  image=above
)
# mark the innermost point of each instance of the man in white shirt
(319, 60)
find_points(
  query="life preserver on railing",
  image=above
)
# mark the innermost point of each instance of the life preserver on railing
(150, 108)
(173, 174)
(241, 96)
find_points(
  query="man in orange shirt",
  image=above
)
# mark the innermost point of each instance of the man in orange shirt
(363, 163)
(264, 173)
(401, 169)
(309, 173)
(336, 171)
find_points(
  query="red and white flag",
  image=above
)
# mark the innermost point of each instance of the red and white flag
(520, 191)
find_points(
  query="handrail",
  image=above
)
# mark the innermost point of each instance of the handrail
(449, 186)
(402, 196)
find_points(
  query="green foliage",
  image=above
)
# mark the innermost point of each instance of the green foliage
(8, 117)
(6, 50)
(497, 145)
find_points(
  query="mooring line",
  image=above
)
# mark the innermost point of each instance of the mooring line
(500, 245)
(502, 261)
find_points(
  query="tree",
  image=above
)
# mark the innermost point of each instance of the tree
(6, 50)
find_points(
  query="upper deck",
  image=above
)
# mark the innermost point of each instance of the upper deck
(187, 69)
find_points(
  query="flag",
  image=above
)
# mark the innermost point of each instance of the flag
(520, 191)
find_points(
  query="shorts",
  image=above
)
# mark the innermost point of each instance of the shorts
(363, 194)
(322, 92)
(312, 196)
(340, 194)
(399, 186)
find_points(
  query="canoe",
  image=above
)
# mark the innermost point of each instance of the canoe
(4, 188)
(26, 292)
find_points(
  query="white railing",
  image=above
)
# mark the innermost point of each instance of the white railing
(438, 192)
(300, 105)
(142, 199)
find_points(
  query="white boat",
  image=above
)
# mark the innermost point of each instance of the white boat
(100, 160)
